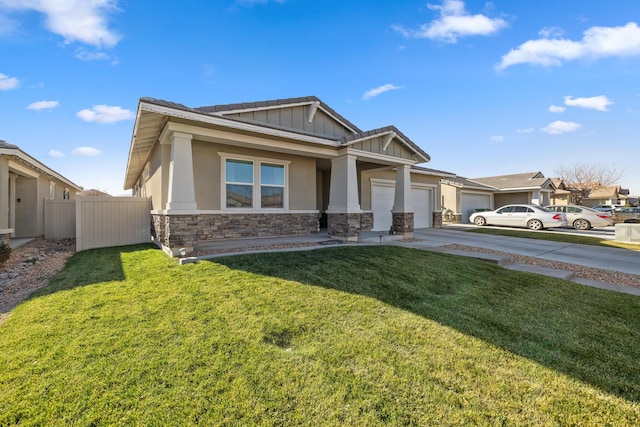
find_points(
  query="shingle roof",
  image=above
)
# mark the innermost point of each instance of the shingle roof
(520, 180)
(5, 144)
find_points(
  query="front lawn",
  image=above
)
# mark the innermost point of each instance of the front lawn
(354, 336)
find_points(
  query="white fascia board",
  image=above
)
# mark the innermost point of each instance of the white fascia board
(207, 118)
(275, 107)
(30, 161)
(421, 172)
(380, 157)
(395, 136)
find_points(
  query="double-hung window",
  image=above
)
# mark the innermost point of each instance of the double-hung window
(254, 183)
(239, 183)
(271, 185)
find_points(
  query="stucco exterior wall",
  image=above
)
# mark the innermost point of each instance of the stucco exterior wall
(208, 178)
(450, 197)
(510, 198)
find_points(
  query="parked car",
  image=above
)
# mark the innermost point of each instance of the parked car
(582, 217)
(607, 208)
(530, 216)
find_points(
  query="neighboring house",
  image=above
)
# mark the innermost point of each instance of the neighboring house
(530, 188)
(461, 196)
(562, 195)
(271, 168)
(24, 184)
(607, 195)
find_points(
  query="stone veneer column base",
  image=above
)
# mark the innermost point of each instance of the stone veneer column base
(403, 223)
(344, 226)
(437, 219)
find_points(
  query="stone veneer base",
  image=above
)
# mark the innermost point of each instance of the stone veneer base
(173, 232)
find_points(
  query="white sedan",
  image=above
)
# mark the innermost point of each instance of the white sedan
(529, 216)
(582, 217)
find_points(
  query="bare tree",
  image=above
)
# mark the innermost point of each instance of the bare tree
(584, 178)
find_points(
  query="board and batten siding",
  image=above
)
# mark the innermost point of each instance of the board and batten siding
(112, 221)
(59, 219)
(376, 145)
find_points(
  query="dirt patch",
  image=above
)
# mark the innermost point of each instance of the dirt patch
(30, 267)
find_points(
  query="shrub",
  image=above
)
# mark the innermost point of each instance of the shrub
(5, 252)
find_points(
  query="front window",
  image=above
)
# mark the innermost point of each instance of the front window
(239, 181)
(254, 183)
(271, 185)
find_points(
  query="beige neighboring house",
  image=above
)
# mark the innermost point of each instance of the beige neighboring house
(461, 196)
(562, 194)
(607, 195)
(24, 185)
(271, 168)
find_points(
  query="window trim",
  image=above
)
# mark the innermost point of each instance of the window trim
(52, 190)
(257, 182)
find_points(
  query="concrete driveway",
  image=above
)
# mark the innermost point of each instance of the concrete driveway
(622, 260)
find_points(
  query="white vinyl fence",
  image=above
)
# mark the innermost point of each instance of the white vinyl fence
(59, 219)
(111, 221)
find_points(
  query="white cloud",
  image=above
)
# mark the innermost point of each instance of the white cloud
(55, 154)
(497, 138)
(84, 21)
(557, 109)
(43, 105)
(454, 22)
(87, 56)
(8, 83)
(86, 151)
(597, 42)
(558, 127)
(379, 90)
(599, 103)
(105, 114)
(550, 32)
(526, 130)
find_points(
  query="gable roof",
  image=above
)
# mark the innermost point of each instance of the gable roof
(253, 117)
(605, 192)
(519, 181)
(20, 156)
(458, 181)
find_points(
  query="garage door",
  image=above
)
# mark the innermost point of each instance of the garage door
(421, 207)
(381, 205)
(469, 202)
(382, 198)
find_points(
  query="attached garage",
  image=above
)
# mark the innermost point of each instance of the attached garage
(382, 198)
(471, 201)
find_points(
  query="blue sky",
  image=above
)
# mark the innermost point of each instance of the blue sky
(486, 88)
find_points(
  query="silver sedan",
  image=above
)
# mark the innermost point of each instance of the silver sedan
(582, 217)
(529, 216)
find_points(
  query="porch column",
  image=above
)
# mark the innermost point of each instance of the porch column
(5, 231)
(536, 198)
(344, 214)
(12, 203)
(402, 211)
(181, 185)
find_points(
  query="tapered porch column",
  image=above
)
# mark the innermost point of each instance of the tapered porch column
(344, 215)
(181, 186)
(12, 203)
(402, 211)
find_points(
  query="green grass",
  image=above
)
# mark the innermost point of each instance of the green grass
(356, 336)
(557, 237)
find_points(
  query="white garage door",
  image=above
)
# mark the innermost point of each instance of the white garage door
(421, 207)
(381, 205)
(382, 198)
(469, 202)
